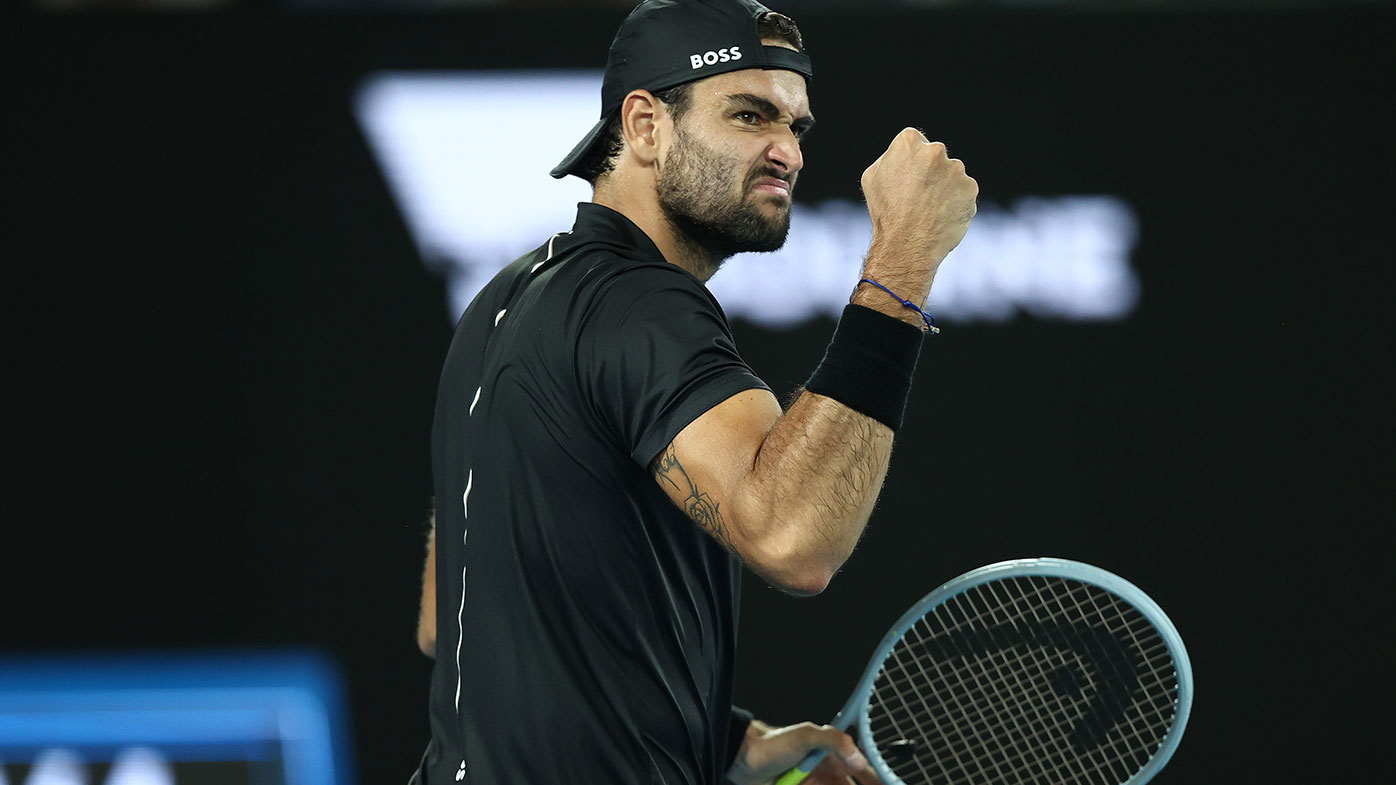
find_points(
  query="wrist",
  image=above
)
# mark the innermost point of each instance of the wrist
(741, 772)
(870, 363)
(909, 305)
(902, 267)
(877, 300)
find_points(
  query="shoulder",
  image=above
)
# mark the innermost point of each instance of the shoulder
(503, 286)
(651, 300)
(613, 281)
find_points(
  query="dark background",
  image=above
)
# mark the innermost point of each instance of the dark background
(225, 350)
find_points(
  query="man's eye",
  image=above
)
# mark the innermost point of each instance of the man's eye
(750, 118)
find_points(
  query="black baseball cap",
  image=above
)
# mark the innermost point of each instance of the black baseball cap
(664, 43)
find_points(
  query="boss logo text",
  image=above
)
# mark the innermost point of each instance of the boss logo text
(713, 58)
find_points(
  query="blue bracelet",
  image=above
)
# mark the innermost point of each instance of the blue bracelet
(927, 318)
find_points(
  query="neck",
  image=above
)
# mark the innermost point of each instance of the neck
(639, 202)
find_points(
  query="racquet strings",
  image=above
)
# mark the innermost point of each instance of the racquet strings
(1032, 679)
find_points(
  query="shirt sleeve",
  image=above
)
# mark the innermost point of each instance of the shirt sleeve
(654, 353)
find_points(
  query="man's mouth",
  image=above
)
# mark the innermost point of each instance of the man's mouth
(773, 186)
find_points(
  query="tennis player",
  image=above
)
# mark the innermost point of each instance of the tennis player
(604, 460)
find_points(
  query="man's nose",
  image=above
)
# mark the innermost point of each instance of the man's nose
(785, 153)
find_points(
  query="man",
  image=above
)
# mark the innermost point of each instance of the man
(604, 460)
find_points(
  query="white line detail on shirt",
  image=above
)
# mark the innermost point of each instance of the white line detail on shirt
(551, 240)
(460, 624)
(460, 614)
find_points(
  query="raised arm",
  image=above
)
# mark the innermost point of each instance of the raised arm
(790, 493)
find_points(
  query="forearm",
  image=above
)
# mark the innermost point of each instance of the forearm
(811, 489)
(817, 475)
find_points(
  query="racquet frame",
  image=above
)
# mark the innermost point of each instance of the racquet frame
(856, 709)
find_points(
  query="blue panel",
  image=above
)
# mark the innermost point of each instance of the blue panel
(282, 708)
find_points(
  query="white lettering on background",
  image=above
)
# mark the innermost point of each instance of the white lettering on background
(441, 140)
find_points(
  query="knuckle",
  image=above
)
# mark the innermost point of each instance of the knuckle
(910, 136)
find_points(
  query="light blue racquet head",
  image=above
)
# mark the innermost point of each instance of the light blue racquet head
(1027, 671)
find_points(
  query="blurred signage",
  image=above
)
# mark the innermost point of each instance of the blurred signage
(238, 719)
(467, 156)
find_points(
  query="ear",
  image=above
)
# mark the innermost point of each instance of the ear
(640, 124)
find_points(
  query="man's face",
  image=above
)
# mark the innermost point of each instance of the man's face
(727, 178)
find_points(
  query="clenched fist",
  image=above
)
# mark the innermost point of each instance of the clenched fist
(921, 202)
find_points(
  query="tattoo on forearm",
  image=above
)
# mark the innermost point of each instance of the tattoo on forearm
(701, 507)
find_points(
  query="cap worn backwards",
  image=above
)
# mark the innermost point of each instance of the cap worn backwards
(665, 43)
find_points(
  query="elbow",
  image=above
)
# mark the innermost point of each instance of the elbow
(796, 551)
(794, 571)
(806, 584)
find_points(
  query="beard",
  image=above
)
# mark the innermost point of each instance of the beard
(709, 206)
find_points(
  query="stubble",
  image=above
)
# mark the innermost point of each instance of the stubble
(711, 208)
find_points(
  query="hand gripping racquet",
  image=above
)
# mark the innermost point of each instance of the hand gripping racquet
(1031, 671)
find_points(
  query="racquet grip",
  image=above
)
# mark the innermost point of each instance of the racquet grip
(802, 769)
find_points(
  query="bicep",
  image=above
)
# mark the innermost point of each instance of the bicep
(704, 470)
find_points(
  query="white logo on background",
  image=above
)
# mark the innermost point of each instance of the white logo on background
(724, 55)
(442, 141)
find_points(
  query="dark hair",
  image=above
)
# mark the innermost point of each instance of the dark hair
(781, 28)
(602, 156)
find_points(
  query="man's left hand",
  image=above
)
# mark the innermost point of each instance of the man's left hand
(768, 752)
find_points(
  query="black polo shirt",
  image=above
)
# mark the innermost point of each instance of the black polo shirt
(585, 626)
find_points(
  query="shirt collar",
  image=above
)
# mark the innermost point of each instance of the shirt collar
(600, 225)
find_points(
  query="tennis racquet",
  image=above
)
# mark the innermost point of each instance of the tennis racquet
(1030, 671)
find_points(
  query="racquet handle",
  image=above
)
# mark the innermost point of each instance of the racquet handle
(802, 769)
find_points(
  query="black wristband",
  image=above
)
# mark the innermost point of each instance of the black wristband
(737, 726)
(869, 364)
